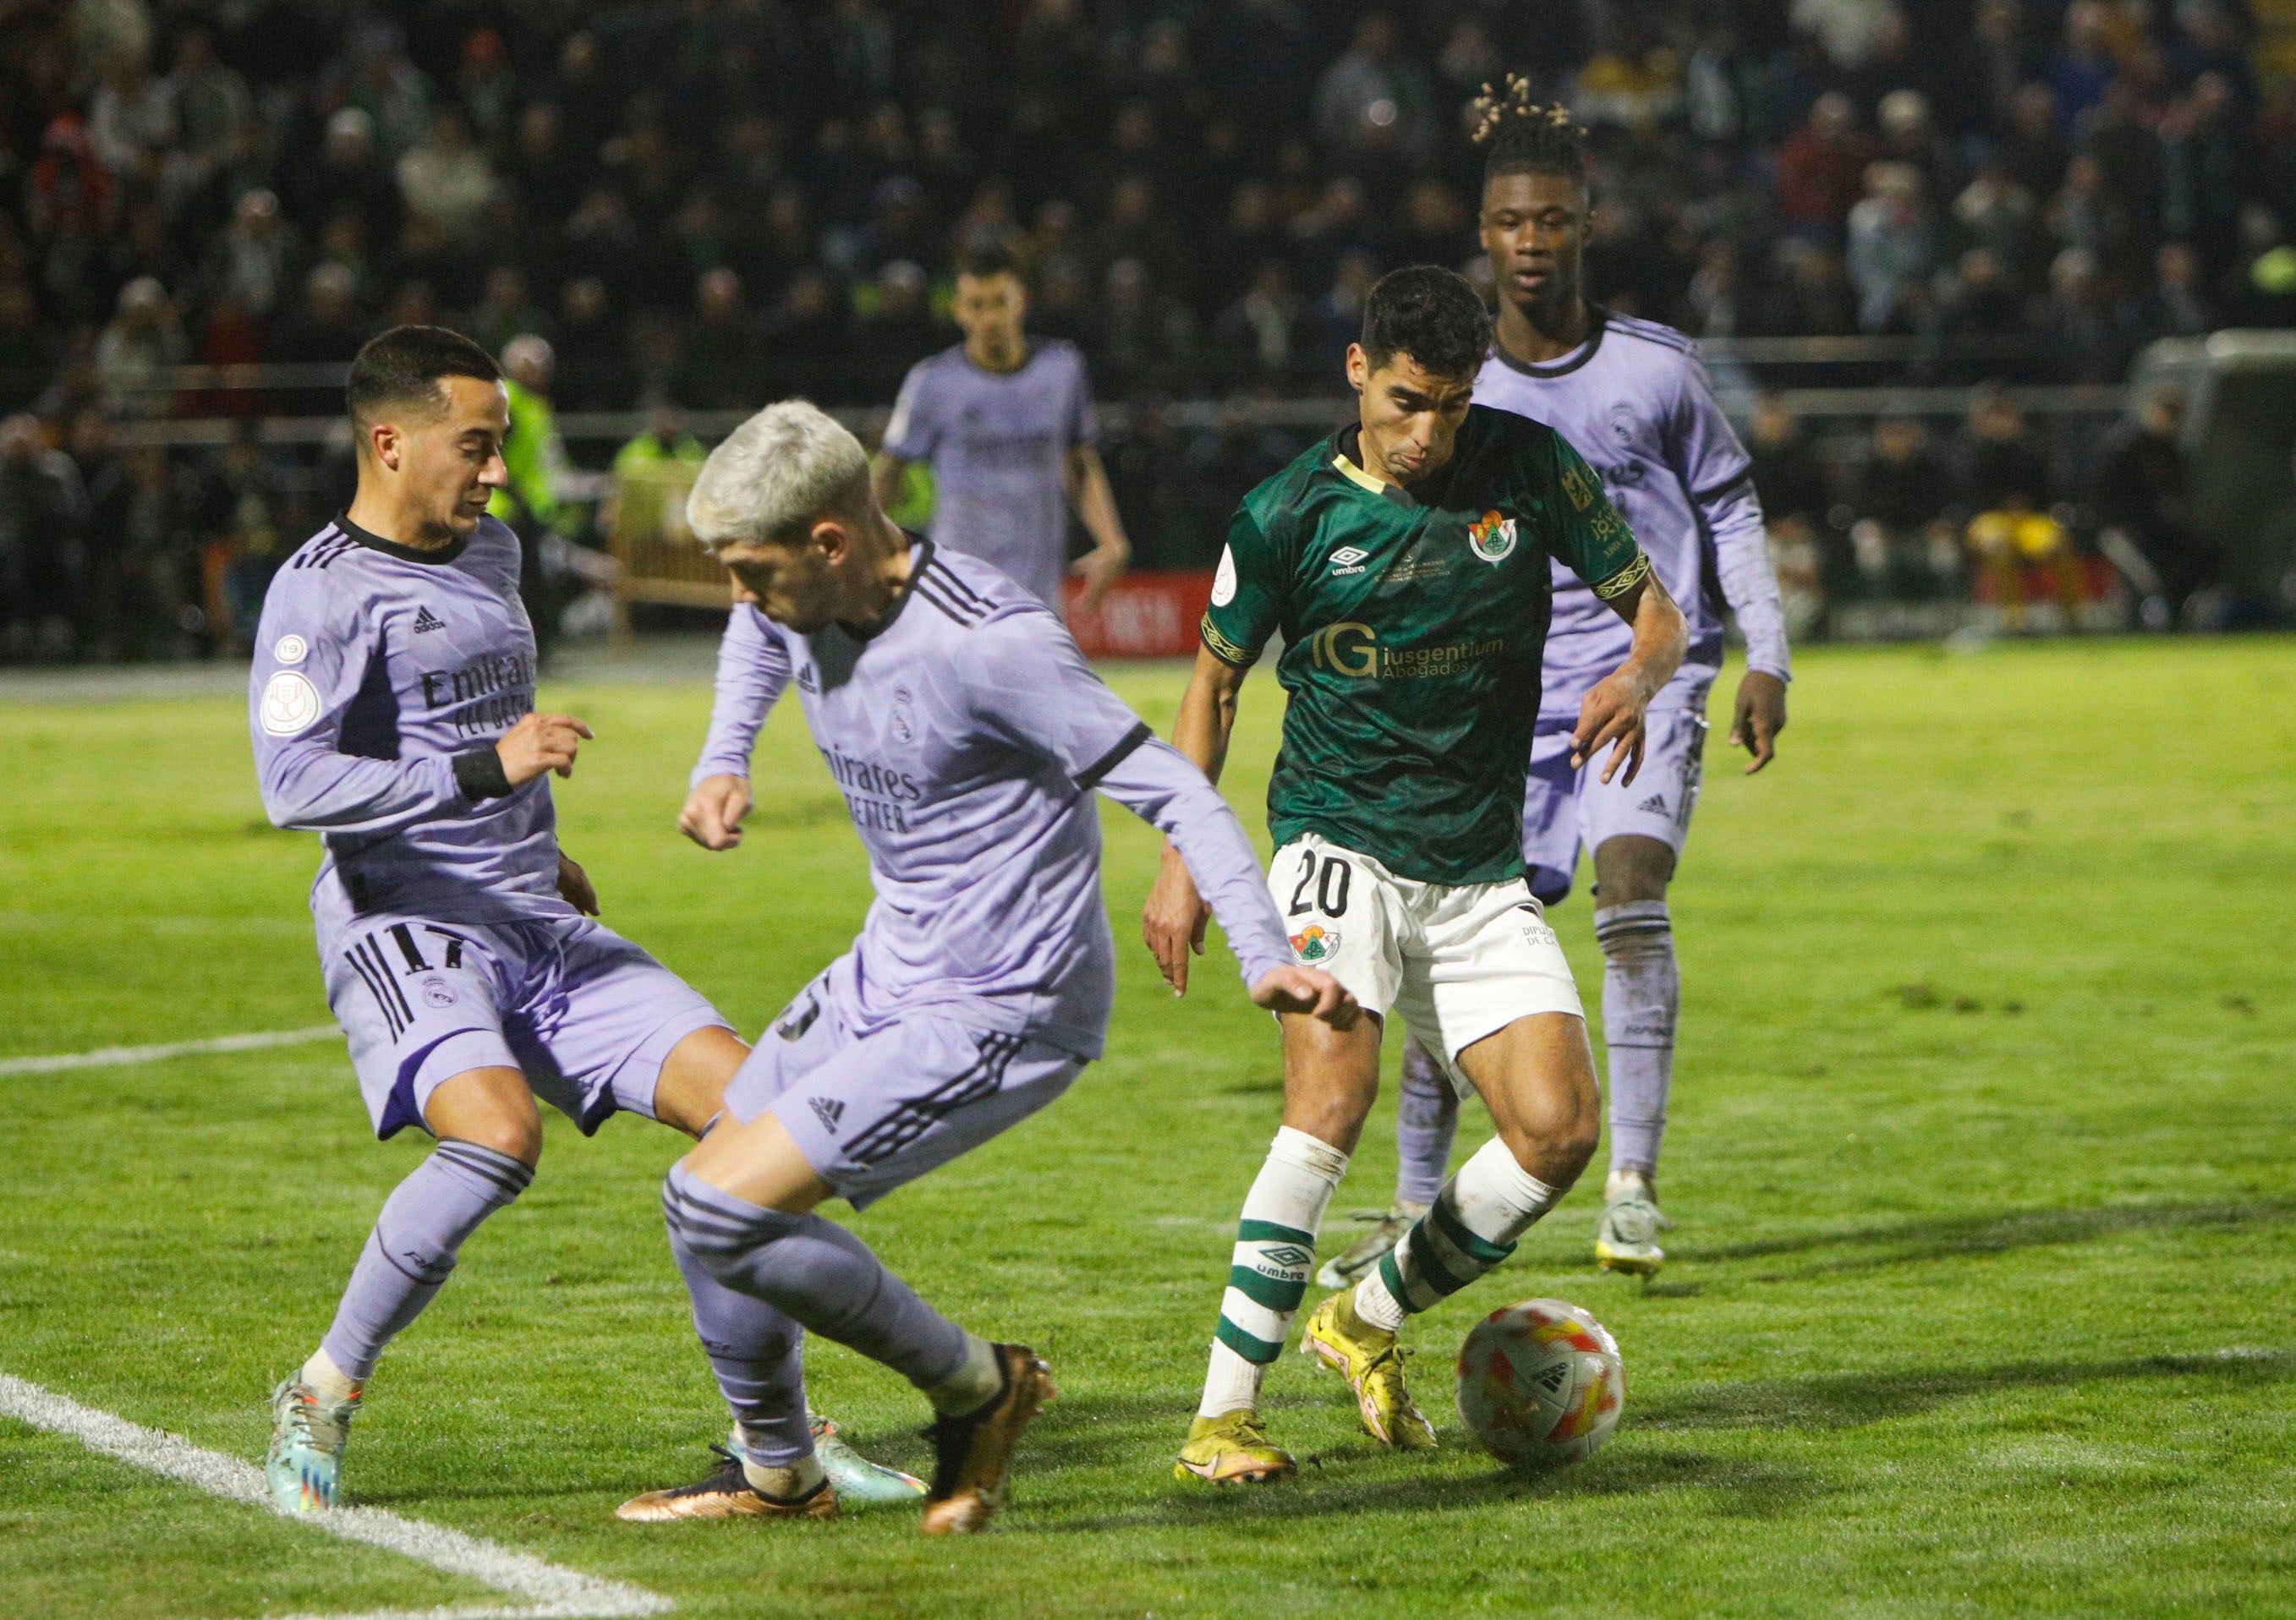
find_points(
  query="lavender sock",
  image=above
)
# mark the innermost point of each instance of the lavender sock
(816, 1272)
(758, 1356)
(410, 1252)
(1427, 1122)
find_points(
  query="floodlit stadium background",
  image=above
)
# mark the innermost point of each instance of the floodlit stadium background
(1862, 210)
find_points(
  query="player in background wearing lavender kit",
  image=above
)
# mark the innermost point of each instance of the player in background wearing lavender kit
(391, 704)
(1631, 397)
(1007, 425)
(967, 734)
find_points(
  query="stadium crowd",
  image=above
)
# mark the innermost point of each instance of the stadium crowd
(716, 202)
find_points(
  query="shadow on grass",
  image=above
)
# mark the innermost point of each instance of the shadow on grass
(1852, 1400)
(1946, 1239)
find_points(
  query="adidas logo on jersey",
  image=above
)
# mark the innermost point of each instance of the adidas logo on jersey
(425, 619)
(1655, 805)
(829, 1110)
(1347, 560)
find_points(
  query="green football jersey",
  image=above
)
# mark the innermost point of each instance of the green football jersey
(1413, 625)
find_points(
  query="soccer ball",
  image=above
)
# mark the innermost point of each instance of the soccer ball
(1540, 1384)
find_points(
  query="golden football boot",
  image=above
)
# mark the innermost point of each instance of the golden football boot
(728, 1494)
(1232, 1447)
(1372, 1362)
(973, 1467)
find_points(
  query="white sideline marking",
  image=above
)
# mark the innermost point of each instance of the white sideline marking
(103, 1057)
(551, 1593)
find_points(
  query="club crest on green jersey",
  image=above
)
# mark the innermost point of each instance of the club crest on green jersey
(1316, 943)
(1491, 537)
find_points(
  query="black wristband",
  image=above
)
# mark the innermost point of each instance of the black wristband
(480, 774)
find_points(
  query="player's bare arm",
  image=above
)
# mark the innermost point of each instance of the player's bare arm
(1616, 711)
(574, 886)
(1096, 504)
(1173, 922)
(715, 810)
(1758, 717)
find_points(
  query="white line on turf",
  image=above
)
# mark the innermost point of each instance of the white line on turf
(103, 1057)
(551, 1592)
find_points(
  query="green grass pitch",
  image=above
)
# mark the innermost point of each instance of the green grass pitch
(1980, 1299)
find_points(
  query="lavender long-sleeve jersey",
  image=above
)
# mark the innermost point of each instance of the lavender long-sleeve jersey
(998, 443)
(1634, 402)
(966, 732)
(383, 677)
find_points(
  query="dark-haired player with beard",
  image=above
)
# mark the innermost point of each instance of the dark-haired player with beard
(1406, 560)
(1632, 396)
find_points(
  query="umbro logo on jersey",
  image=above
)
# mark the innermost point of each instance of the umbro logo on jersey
(1655, 805)
(425, 619)
(828, 1110)
(1347, 560)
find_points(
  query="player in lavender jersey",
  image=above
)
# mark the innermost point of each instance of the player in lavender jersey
(967, 734)
(391, 704)
(1631, 397)
(1007, 425)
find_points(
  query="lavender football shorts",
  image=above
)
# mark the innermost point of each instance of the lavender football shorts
(587, 1016)
(1566, 810)
(873, 1112)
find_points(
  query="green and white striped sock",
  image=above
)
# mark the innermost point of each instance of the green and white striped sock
(1471, 1227)
(1268, 1273)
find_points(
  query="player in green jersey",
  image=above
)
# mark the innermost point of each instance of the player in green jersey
(1406, 561)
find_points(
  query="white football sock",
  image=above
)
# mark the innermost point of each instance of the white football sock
(1267, 1270)
(321, 1373)
(976, 1382)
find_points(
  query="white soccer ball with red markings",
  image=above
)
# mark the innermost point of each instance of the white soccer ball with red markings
(1540, 1384)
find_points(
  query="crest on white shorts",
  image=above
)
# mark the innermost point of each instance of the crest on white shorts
(290, 703)
(1316, 943)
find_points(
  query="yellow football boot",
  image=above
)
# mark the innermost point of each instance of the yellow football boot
(1230, 1447)
(1372, 1362)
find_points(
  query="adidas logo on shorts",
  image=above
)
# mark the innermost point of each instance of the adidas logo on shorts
(828, 1110)
(1655, 805)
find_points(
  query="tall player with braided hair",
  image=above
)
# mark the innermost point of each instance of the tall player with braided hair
(1631, 397)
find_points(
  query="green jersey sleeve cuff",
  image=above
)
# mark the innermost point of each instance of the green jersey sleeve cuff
(1626, 579)
(1226, 650)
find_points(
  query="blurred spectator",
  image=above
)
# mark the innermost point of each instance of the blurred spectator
(251, 538)
(351, 175)
(2178, 309)
(1375, 108)
(2033, 152)
(593, 368)
(2145, 516)
(1791, 488)
(29, 347)
(651, 476)
(1892, 246)
(1901, 545)
(1822, 168)
(131, 119)
(145, 529)
(1996, 214)
(896, 328)
(444, 180)
(1259, 334)
(215, 118)
(42, 512)
(2005, 487)
(144, 338)
(717, 367)
(253, 260)
(505, 311)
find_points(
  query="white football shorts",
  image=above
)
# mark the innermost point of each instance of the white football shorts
(1459, 962)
